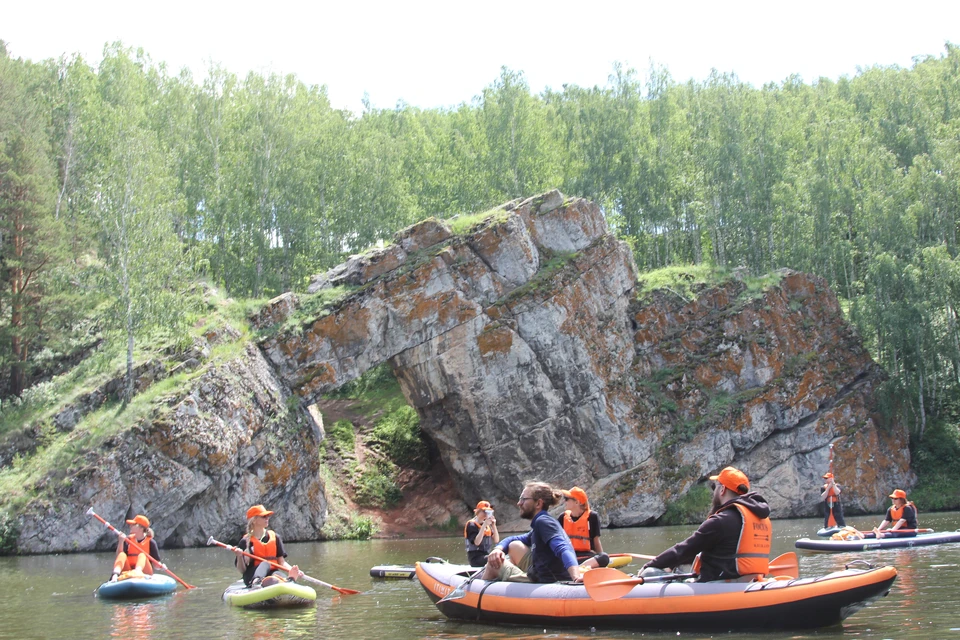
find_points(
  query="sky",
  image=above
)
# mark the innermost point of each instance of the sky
(442, 53)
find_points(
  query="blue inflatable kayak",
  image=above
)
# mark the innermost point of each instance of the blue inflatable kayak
(133, 588)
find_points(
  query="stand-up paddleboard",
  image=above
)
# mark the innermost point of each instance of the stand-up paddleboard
(281, 594)
(136, 588)
(891, 540)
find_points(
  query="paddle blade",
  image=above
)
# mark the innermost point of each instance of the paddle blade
(456, 594)
(608, 584)
(831, 521)
(345, 591)
(785, 565)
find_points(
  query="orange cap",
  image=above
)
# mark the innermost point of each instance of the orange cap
(899, 493)
(827, 475)
(483, 504)
(140, 520)
(258, 510)
(733, 479)
(577, 494)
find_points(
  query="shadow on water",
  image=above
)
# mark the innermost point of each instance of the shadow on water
(52, 596)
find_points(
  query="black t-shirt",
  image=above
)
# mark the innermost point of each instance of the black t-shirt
(477, 557)
(909, 514)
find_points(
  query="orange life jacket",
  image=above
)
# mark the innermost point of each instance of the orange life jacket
(266, 550)
(832, 494)
(753, 548)
(486, 533)
(897, 514)
(578, 530)
(132, 552)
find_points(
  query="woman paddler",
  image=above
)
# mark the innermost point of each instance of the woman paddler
(266, 544)
(129, 558)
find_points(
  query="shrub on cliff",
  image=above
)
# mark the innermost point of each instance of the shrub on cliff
(691, 508)
(9, 534)
(399, 434)
(376, 488)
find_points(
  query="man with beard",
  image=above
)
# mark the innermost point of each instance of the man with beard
(733, 542)
(543, 554)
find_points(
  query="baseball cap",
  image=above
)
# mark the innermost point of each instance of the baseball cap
(899, 493)
(140, 520)
(732, 479)
(577, 494)
(258, 510)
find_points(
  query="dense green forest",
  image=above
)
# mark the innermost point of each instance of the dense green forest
(121, 183)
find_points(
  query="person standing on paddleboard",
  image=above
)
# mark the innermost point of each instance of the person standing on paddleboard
(831, 502)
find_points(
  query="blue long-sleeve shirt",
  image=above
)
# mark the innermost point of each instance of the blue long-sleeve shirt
(552, 553)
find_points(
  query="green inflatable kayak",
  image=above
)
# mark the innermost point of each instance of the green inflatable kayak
(282, 594)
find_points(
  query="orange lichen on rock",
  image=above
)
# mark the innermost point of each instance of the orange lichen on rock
(496, 340)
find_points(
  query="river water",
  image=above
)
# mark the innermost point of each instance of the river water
(53, 596)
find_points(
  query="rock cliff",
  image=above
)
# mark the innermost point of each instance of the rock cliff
(527, 351)
(194, 465)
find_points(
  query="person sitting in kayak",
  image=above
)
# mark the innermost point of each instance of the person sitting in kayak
(582, 526)
(733, 542)
(480, 534)
(262, 542)
(544, 554)
(902, 515)
(129, 558)
(831, 502)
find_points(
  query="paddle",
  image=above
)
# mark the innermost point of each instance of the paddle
(346, 592)
(146, 552)
(638, 556)
(609, 584)
(848, 531)
(460, 591)
(785, 565)
(871, 534)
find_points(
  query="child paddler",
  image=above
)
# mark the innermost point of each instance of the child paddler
(129, 558)
(265, 543)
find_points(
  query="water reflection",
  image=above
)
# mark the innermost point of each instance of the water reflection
(133, 621)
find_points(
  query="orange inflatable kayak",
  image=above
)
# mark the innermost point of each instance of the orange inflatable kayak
(715, 607)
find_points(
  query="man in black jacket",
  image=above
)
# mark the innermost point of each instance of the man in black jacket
(734, 541)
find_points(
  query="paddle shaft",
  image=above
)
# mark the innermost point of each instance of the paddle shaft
(638, 556)
(346, 592)
(871, 534)
(131, 540)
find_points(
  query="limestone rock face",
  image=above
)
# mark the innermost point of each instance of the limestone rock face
(527, 353)
(194, 468)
